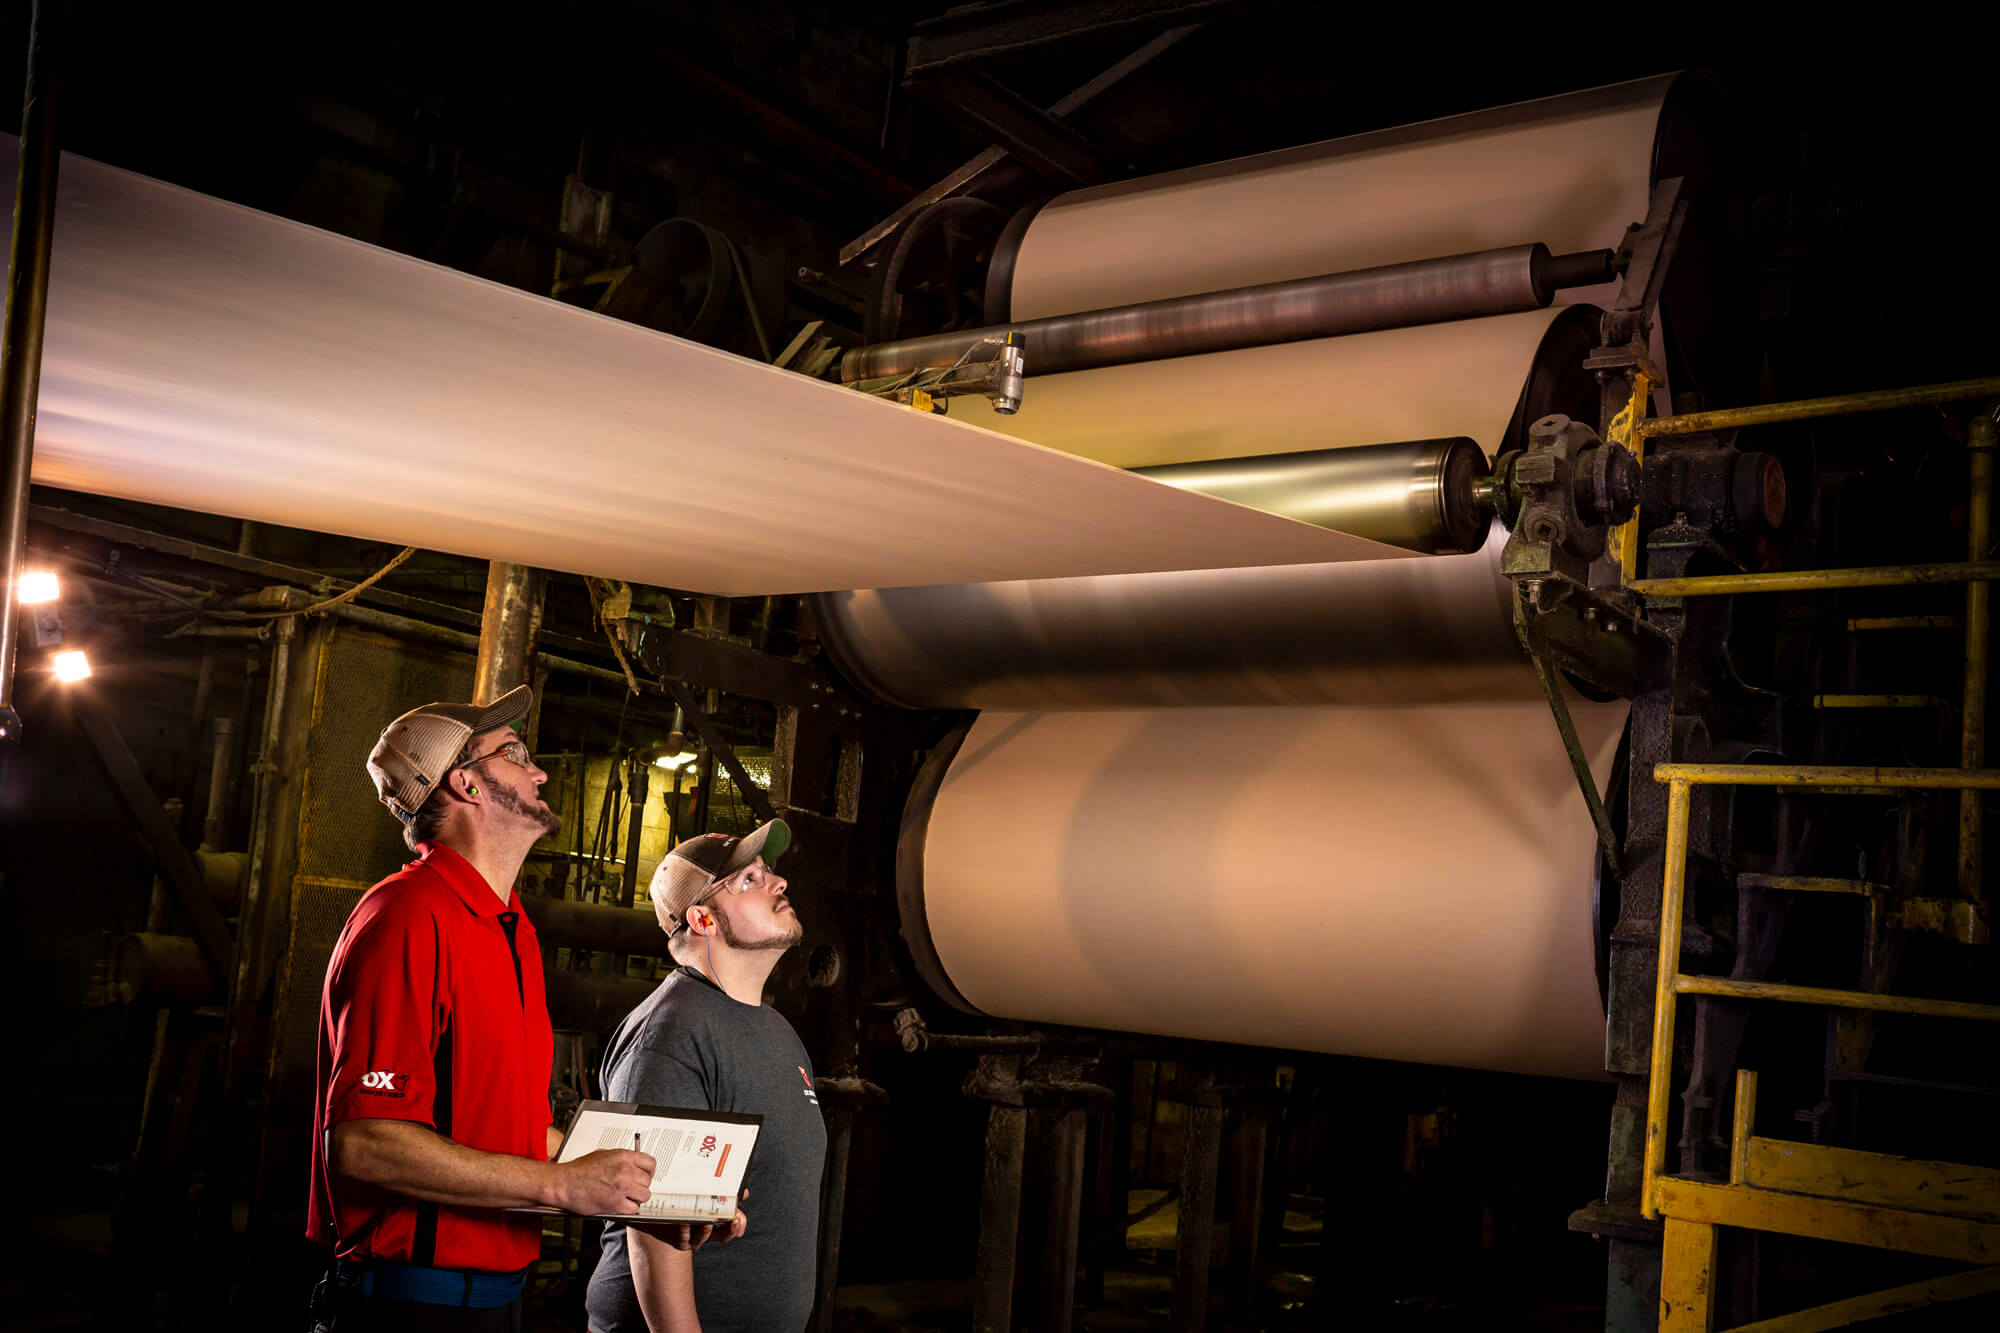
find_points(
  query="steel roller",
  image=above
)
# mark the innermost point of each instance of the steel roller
(1416, 494)
(1428, 629)
(1425, 291)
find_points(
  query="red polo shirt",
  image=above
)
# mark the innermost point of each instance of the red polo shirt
(434, 1012)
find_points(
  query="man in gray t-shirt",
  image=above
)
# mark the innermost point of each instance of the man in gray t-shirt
(705, 1039)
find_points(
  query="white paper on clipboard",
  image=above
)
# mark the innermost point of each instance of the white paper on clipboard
(701, 1156)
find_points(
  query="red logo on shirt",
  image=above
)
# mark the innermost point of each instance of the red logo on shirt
(383, 1083)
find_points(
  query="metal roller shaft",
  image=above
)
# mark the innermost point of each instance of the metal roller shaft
(1416, 494)
(1425, 291)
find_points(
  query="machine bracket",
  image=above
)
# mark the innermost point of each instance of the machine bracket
(1525, 624)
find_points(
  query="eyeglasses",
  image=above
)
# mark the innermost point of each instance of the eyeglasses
(514, 752)
(756, 877)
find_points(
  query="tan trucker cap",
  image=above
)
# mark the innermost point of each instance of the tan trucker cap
(694, 867)
(424, 744)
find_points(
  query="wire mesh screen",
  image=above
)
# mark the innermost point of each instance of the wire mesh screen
(365, 680)
(347, 841)
(319, 910)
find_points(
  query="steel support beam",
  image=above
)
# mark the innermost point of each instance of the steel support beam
(971, 34)
(1028, 133)
(975, 170)
(21, 339)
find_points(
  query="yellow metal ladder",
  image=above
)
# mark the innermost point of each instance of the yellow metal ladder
(1938, 1209)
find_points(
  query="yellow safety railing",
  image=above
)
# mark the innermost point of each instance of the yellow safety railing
(1632, 428)
(1828, 779)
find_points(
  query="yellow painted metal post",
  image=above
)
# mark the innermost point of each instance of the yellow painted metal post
(1687, 1277)
(1743, 1121)
(1979, 439)
(1624, 430)
(1662, 1070)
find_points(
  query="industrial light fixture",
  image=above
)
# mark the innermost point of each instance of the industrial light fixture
(71, 666)
(38, 586)
(671, 762)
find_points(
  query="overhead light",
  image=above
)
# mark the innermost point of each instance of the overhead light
(674, 761)
(71, 666)
(37, 586)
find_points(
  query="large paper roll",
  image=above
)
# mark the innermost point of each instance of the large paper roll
(1422, 629)
(1571, 172)
(1407, 884)
(209, 357)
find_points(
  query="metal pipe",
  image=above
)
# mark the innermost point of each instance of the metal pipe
(163, 968)
(1662, 1060)
(637, 790)
(1416, 494)
(27, 307)
(216, 815)
(1837, 999)
(1424, 291)
(286, 599)
(509, 623)
(999, 1219)
(1819, 580)
(565, 923)
(1061, 1153)
(833, 1211)
(591, 1001)
(1980, 442)
(1828, 775)
(1840, 405)
(1194, 1228)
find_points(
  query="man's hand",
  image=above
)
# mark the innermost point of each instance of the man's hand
(610, 1180)
(689, 1236)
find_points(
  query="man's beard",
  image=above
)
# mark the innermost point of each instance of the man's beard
(735, 941)
(539, 814)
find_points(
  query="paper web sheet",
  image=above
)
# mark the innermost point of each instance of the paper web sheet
(210, 357)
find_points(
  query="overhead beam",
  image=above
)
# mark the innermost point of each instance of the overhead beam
(971, 34)
(1029, 134)
(975, 170)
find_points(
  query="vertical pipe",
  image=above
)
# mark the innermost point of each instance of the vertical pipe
(27, 306)
(1742, 1122)
(704, 787)
(215, 819)
(999, 1220)
(509, 623)
(1979, 438)
(1662, 1069)
(1061, 1218)
(1248, 1141)
(833, 1209)
(1194, 1236)
(638, 789)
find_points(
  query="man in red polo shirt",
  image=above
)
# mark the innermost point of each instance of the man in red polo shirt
(432, 1112)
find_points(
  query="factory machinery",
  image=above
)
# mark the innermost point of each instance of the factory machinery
(1599, 686)
(1624, 723)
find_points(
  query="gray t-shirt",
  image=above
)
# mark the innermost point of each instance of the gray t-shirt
(689, 1045)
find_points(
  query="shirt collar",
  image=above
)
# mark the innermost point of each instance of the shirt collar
(470, 885)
